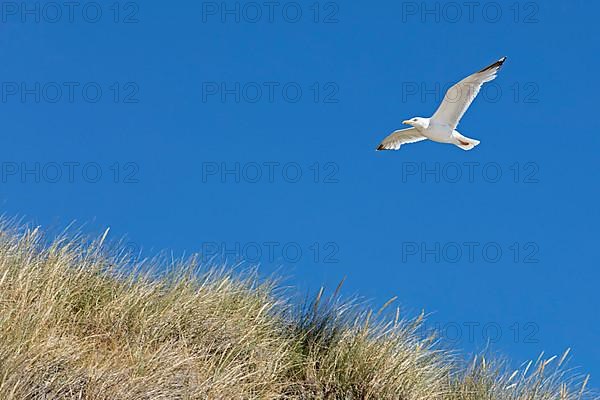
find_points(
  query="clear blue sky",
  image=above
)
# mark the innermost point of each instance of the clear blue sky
(223, 124)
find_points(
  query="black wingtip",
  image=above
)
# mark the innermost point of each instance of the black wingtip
(497, 64)
(380, 147)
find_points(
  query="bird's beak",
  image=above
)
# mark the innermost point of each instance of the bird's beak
(407, 122)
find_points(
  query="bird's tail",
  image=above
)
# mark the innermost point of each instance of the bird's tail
(464, 142)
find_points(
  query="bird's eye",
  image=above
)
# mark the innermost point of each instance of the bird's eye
(415, 120)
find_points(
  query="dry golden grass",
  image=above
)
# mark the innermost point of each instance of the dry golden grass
(78, 323)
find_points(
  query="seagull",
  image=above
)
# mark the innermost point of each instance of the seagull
(441, 127)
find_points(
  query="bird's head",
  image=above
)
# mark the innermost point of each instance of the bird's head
(417, 122)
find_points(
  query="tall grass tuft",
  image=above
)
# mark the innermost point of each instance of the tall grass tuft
(79, 322)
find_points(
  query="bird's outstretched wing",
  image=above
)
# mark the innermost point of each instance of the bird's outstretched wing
(460, 96)
(398, 138)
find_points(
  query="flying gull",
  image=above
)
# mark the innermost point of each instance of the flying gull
(441, 127)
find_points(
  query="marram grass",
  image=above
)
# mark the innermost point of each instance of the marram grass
(78, 322)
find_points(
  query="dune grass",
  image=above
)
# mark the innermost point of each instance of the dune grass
(79, 322)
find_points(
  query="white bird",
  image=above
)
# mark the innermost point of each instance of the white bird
(441, 127)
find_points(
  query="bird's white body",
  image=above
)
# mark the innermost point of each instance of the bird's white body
(441, 127)
(443, 133)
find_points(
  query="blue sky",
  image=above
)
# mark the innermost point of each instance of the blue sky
(249, 128)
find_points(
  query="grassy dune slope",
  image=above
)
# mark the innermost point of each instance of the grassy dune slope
(76, 323)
